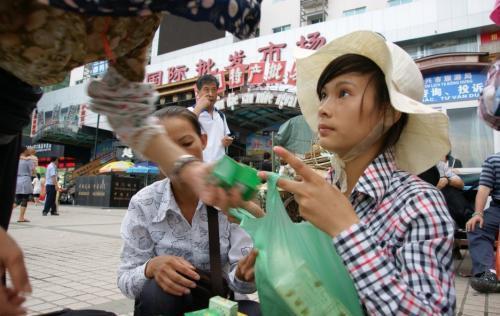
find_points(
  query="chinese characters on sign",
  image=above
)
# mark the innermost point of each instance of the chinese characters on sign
(155, 77)
(278, 99)
(453, 86)
(177, 73)
(313, 41)
(269, 69)
(204, 67)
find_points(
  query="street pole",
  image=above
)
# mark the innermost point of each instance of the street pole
(96, 136)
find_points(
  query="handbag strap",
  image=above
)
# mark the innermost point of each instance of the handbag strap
(214, 246)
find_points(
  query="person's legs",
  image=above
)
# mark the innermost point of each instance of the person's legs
(50, 198)
(154, 301)
(481, 241)
(249, 308)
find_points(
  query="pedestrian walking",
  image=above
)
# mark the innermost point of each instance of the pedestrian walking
(51, 188)
(24, 187)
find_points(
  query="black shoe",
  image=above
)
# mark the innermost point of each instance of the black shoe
(44, 214)
(54, 214)
(485, 283)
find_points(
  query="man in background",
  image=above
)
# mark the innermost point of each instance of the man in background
(212, 120)
(51, 188)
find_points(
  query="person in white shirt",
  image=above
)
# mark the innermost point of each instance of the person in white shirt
(213, 122)
(51, 188)
(37, 188)
(166, 243)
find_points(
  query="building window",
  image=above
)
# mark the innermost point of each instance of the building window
(393, 3)
(452, 45)
(98, 68)
(354, 11)
(316, 18)
(471, 139)
(281, 28)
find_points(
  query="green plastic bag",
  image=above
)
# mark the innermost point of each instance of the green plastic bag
(297, 271)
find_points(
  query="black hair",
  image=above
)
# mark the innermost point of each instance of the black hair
(205, 79)
(353, 63)
(38, 176)
(52, 159)
(179, 111)
(22, 149)
(267, 155)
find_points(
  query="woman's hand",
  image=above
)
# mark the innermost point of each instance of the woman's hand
(245, 270)
(173, 274)
(197, 175)
(320, 203)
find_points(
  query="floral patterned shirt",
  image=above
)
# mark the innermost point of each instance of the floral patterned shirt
(40, 44)
(154, 226)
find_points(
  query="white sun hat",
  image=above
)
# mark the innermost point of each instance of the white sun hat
(424, 140)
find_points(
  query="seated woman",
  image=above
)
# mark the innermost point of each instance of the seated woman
(165, 234)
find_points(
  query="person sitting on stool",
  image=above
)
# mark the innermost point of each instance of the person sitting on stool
(483, 227)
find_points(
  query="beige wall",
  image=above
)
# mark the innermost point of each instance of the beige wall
(337, 7)
(277, 13)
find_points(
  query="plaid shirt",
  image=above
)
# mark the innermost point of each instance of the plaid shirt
(400, 253)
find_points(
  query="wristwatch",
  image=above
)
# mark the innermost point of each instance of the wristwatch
(181, 162)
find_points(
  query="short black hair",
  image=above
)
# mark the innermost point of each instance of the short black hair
(22, 149)
(203, 80)
(267, 155)
(359, 64)
(52, 159)
(179, 111)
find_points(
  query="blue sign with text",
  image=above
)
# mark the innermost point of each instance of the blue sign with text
(453, 86)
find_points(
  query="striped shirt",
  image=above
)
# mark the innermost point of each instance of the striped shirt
(400, 253)
(490, 175)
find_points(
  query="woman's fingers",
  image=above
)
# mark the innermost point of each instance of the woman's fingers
(170, 287)
(300, 168)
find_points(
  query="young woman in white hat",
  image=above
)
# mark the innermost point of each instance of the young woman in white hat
(392, 230)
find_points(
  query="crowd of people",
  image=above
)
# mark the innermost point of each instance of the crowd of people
(392, 230)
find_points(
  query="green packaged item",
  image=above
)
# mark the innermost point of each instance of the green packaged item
(297, 271)
(223, 306)
(229, 173)
(204, 312)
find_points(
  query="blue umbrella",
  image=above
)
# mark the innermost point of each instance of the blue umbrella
(143, 170)
(146, 168)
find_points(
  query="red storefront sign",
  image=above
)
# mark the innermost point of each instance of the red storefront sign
(490, 37)
(177, 73)
(236, 58)
(292, 75)
(236, 76)
(311, 41)
(204, 67)
(274, 72)
(220, 76)
(155, 78)
(33, 123)
(256, 73)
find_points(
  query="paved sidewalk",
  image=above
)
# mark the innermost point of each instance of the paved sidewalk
(72, 261)
(72, 258)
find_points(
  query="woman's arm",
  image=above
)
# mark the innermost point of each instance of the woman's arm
(138, 249)
(241, 246)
